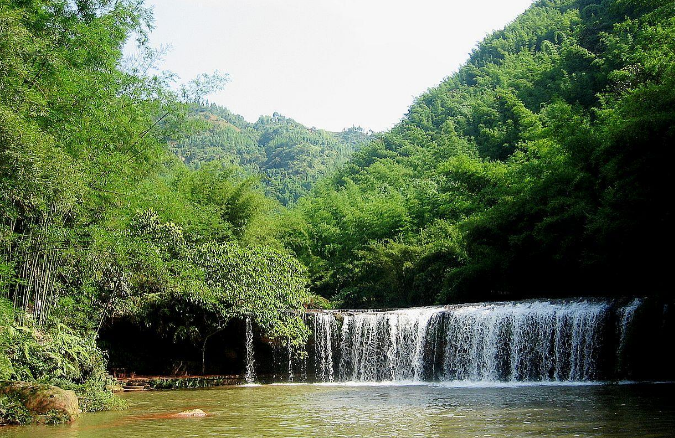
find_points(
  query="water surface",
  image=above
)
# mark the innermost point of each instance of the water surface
(374, 410)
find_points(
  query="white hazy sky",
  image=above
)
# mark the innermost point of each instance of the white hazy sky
(331, 64)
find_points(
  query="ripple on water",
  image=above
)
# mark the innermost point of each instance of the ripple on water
(430, 410)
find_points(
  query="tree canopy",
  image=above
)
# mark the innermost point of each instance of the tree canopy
(540, 168)
(288, 156)
(98, 219)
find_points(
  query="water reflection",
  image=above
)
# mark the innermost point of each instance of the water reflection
(385, 411)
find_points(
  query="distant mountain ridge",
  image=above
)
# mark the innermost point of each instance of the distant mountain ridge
(289, 156)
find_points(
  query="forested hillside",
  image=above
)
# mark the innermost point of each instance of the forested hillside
(98, 220)
(541, 168)
(288, 156)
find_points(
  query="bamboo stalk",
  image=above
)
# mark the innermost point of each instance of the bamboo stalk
(50, 299)
(40, 291)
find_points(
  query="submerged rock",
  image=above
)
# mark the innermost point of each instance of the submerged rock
(44, 403)
(191, 413)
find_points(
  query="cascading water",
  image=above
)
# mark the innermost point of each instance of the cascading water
(325, 325)
(383, 345)
(626, 315)
(289, 349)
(524, 341)
(250, 360)
(546, 341)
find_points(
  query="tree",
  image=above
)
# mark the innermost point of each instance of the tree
(220, 282)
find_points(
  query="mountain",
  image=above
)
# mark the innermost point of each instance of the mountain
(289, 156)
(541, 168)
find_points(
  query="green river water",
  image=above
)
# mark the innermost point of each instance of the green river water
(384, 411)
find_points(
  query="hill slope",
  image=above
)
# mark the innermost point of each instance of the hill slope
(290, 156)
(540, 168)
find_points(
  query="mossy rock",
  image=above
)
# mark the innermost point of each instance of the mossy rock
(45, 403)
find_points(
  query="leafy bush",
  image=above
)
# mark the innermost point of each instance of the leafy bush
(94, 398)
(56, 355)
(12, 411)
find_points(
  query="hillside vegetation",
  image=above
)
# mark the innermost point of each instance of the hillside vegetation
(542, 167)
(288, 156)
(98, 220)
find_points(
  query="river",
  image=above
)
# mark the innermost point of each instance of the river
(385, 410)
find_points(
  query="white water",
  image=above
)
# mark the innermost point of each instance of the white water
(531, 342)
(535, 341)
(250, 360)
(324, 328)
(382, 345)
(290, 361)
(626, 313)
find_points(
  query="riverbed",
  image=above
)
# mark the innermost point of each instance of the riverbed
(379, 410)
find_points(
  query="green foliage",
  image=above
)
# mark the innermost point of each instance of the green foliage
(13, 411)
(74, 133)
(188, 383)
(45, 355)
(55, 355)
(56, 417)
(289, 156)
(94, 398)
(7, 317)
(98, 219)
(229, 281)
(539, 168)
(318, 302)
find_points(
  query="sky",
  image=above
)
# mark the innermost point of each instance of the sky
(330, 64)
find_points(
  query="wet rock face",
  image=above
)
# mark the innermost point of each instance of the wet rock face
(45, 403)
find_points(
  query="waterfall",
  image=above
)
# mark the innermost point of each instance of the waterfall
(546, 341)
(250, 360)
(325, 325)
(524, 341)
(626, 315)
(290, 360)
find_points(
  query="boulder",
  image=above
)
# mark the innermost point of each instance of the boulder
(191, 413)
(45, 403)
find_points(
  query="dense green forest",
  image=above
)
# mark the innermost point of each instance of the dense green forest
(99, 220)
(288, 157)
(541, 168)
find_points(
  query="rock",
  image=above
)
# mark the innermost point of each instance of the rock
(191, 413)
(46, 403)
